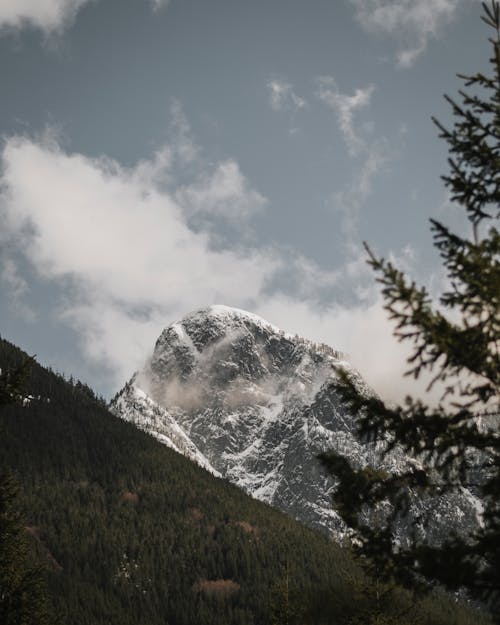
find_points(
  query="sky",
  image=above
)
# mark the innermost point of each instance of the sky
(161, 156)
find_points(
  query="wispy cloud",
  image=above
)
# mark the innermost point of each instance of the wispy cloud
(10, 276)
(413, 23)
(159, 4)
(15, 287)
(345, 107)
(282, 96)
(224, 192)
(370, 155)
(350, 200)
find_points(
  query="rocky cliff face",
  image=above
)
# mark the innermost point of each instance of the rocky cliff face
(256, 405)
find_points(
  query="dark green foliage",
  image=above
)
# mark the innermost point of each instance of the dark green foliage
(12, 381)
(132, 533)
(23, 598)
(458, 344)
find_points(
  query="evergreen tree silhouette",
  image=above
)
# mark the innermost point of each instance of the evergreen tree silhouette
(458, 343)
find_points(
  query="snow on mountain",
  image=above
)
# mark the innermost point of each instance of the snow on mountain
(256, 405)
(135, 406)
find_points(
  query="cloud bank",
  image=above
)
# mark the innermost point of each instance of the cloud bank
(121, 244)
(118, 244)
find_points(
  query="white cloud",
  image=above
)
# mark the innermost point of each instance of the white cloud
(122, 243)
(118, 243)
(345, 106)
(282, 97)
(48, 15)
(412, 22)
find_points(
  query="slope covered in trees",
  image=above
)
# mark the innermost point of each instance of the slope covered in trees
(131, 533)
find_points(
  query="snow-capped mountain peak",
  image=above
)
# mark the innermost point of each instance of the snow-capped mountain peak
(256, 405)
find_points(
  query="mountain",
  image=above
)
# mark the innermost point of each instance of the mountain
(256, 406)
(129, 532)
(132, 533)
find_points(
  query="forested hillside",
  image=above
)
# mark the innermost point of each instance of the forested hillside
(131, 533)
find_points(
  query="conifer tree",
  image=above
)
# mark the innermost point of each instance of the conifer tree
(23, 598)
(457, 341)
(284, 608)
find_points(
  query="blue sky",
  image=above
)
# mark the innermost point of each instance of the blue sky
(158, 157)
